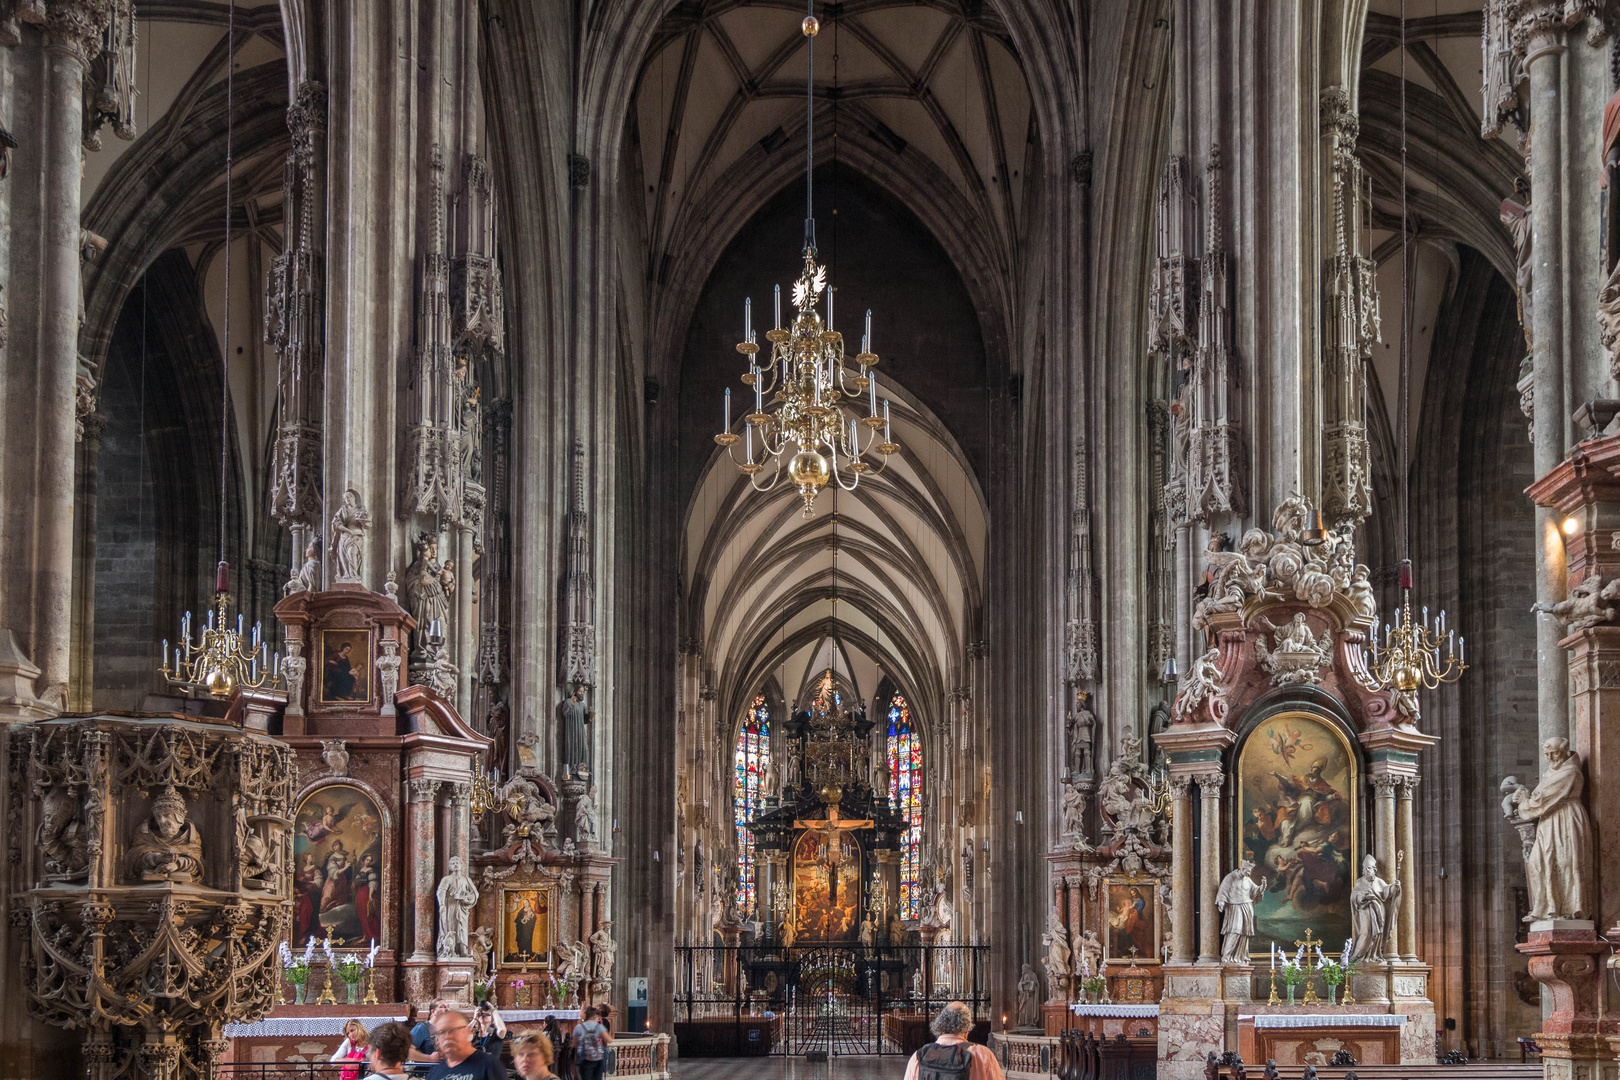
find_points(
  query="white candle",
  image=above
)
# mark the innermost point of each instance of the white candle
(829, 306)
(165, 653)
(759, 388)
(886, 437)
(748, 447)
(871, 394)
(777, 290)
(1273, 956)
(728, 410)
(866, 338)
(748, 318)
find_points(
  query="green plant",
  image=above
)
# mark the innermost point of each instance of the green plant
(1093, 985)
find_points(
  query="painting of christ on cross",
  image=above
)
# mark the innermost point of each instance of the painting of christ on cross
(826, 885)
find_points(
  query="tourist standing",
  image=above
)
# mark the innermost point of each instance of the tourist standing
(951, 1056)
(459, 1058)
(390, 1048)
(532, 1056)
(591, 1039)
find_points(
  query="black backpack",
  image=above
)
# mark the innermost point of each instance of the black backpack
(938, 1062)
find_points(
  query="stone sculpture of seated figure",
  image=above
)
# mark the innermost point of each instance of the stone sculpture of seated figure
(166, 846)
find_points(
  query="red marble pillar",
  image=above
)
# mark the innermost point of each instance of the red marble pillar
(420, 856)
(1567, 960)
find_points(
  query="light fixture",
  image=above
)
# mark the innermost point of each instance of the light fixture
(1572, 525)
(806, 374)
(223, 658)
(1408, 657)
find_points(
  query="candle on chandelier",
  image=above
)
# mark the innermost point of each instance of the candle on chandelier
(759, 388)
(1462, 651)
(748, 318)
(886, 437)
(871, 394)
(165, 654)
(748, 444)
(866, 338)
(829, 306)
(777, 301)
(728, 410)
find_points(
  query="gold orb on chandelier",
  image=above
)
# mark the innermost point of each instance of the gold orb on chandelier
(811, 26)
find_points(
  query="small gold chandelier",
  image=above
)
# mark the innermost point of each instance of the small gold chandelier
(806, 375)
(1408, 657)
(221, 658)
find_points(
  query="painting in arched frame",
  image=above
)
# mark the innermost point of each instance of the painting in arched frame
(1299, 820)
(338, 860)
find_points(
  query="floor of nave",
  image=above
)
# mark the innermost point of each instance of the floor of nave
(892, 1067)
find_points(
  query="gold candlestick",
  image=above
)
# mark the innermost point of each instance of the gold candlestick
(371, 987)
(1273, 999)
(326, 997)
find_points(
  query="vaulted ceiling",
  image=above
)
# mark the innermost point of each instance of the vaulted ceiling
(884, 580)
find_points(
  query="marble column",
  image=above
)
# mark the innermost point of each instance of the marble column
(458, 821)
(1209, 868)
(1544, 63)
(1384, 847)
(1181, 884)
(1406, 868)
(420, 847)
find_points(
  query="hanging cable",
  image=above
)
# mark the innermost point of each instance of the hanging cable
(1405, 358)
(221, 581)
(811, 28)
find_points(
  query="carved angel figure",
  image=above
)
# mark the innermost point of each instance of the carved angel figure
(252, 853)
(481, 941)
(1234, 575)
(530, 814)
(1088, 955)
(1202, 682)
(1582, 609)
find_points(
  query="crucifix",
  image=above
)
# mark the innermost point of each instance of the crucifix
(829, 828)
(1308, 944)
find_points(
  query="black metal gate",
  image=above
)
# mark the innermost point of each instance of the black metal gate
(839, 1000)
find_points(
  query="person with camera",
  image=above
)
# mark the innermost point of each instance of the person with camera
(489, 1030)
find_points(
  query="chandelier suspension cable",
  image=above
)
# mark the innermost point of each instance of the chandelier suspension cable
(806, 372)
(810, 27)
(223, 657)
(1412, 653)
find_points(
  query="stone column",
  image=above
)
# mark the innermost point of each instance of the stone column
(420, 845)
(1544, 63)
(1181, 867)
(1209, 921)
(458, 822)
(82, 681)
(1406, 868)
(464, 627)
(42, 359)
(1384, 785)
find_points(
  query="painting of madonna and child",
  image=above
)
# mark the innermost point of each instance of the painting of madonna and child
(337, 849)
(1297, 814)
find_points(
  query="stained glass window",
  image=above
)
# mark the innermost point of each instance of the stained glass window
(905, 795)
(752, 757)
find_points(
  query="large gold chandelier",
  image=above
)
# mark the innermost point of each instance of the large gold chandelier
(806, 375)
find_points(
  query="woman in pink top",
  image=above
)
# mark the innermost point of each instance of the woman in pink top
(353, 1048)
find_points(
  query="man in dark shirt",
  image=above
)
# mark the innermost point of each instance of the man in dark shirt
(459, 1059)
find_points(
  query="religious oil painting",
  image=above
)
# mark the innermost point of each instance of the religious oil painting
(525, 926)
(345, 665)
(826, 886)
(338, 855)
(1297, 817)
(1133, 922)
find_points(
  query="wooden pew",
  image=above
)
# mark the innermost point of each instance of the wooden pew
(1228, 1067)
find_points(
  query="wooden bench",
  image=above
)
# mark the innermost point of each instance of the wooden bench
(1084, 1056)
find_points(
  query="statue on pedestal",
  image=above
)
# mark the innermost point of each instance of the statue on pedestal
(456, 894)
(1029, 990)
(1369, 901)
(1559, 866)
(1056, 940)
(603, 950)
(573, 715)
(349, 527)
(585, 817)
(167, 847)
(1235, 901)
(428, 588)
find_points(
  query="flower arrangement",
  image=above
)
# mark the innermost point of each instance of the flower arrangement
(296, 967)
(1294, 971)
(1335, 972)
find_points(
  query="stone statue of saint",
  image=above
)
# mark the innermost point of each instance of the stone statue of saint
(428, 587)
(603, 949)
(572, 717)
(167, 847)
(585, 817)
(1082, 725)
(252, 854)
(60, 837)
(1074, 810)
(456, 894)
(866, 931)
(308, 577)
(1088, 950)
(1235, 901)
(1029, 992)
(1559, 867)
(349, 527)
(1369, 911)
(1056, 940)
(481, 943)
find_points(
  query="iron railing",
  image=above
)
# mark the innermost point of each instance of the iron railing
(837, 999)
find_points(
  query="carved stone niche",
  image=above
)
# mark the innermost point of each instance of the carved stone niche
(152, 857)
(352, 642)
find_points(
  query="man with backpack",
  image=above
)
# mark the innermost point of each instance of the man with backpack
(591, 1037)
(951, 1056)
